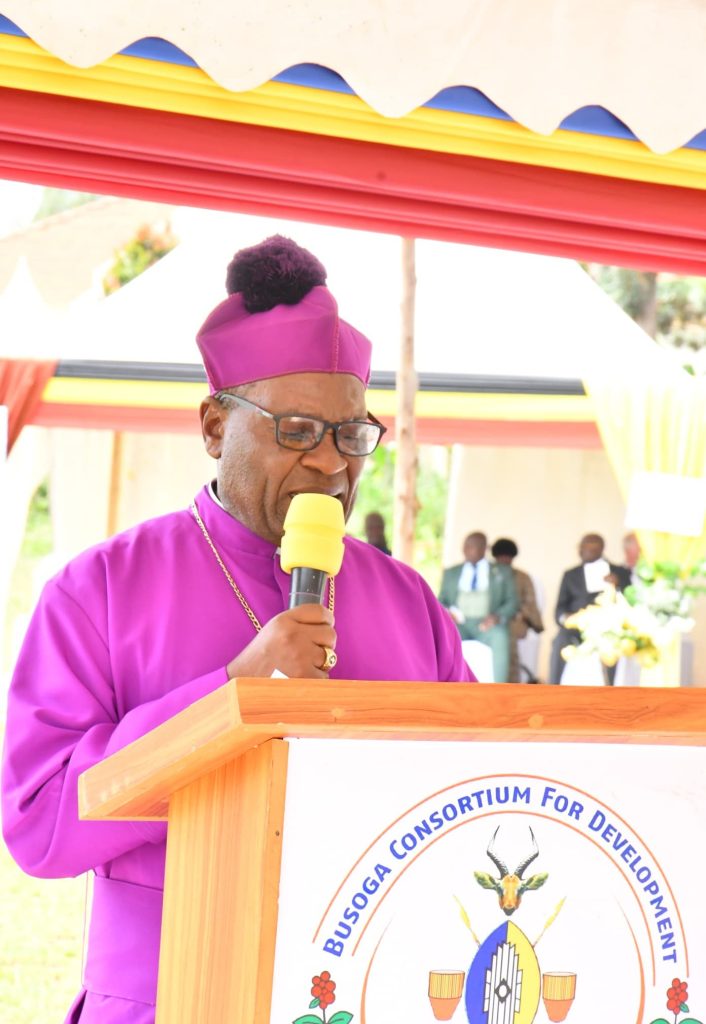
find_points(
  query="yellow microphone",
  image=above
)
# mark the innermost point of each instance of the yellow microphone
(312, 545)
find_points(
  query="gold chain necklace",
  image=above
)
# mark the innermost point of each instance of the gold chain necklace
(238, 593)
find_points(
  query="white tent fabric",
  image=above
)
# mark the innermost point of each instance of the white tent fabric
(640, 59)
(29, 325)
(478, 311)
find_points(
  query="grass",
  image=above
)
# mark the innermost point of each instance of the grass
(37, 543)
(41, 943)
(41, 937)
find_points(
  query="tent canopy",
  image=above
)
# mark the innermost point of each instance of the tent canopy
(405, 119)
(539, 62)
(330, 128)
(501, 346)
(478, 311)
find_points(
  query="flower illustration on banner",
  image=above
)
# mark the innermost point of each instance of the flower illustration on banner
(323, 992)
(677, 995)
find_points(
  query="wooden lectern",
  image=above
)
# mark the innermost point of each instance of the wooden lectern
(217, 773)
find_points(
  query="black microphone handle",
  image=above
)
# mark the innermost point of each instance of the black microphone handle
(308, 586)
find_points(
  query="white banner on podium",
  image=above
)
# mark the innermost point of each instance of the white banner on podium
(492, 884)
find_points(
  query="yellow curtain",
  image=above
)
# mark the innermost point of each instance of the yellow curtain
(652, 418)
(651, 415)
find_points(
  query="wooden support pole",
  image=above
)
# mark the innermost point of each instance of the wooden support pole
(116, 472)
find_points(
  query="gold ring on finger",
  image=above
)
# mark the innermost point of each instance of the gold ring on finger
(330, 659)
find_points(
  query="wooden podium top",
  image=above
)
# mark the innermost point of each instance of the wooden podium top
(137, 781)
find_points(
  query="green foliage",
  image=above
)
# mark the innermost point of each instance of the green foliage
(57, 200)
(629, 288)
(148, 246)
(376, 490)
(687, 582)
(40, 959)
(432, 496)
(38, 540)
(681, 311)
(37, 543)
(666, 592)
(680, 307)
(376, 494)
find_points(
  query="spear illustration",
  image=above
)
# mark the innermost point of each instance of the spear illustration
(551, 920)
(466, 920)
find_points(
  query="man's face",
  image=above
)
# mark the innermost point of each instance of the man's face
(257, 478)
(374, 528)
(631, 548)
(473, 549)
(590, 549)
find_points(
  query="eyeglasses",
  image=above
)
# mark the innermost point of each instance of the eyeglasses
(304, 433)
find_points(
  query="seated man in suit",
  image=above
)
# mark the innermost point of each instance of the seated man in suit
(581, 586)
(482, 599)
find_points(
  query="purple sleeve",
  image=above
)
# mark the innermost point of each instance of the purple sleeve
(62, 718)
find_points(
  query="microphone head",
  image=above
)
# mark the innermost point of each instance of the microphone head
(313, 534)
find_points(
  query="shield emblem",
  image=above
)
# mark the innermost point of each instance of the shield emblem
(503, 984)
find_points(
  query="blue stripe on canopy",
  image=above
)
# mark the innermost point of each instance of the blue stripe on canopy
(461, 99)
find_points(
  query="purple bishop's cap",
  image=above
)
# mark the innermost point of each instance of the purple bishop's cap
(279, 318)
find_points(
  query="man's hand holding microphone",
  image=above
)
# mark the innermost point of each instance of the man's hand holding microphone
(301, 642)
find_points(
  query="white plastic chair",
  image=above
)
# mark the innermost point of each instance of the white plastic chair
(479, 658)
(528, 653)
(588, 672)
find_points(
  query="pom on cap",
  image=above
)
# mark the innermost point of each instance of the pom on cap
(275, 272)
(279, 318)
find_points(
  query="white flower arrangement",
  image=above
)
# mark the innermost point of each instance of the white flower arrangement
(641, 622)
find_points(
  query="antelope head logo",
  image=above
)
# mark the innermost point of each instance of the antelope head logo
(510, 887)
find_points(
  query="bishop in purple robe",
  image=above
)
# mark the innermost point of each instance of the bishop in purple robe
(138, 628)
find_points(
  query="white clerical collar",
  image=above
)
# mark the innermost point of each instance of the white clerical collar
(213, 495)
